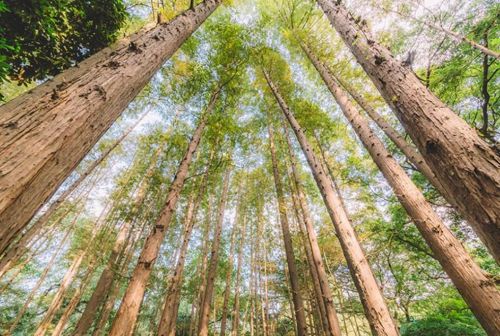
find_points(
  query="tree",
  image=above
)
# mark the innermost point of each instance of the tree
(471, 177)
(71, 112)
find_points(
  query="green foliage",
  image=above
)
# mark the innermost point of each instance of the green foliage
(42, 38)
(439, 327)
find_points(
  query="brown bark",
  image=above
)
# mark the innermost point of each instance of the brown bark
(229, 273)
(204, 313)
(333, 327)
(465, 164)
(170, 306)
(126, 317)
(47, 131)
(298, 303)
(376, 310)
(477, 290)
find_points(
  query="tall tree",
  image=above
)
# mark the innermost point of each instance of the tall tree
(204, 312)
(46, 132)
(298, 303)
(478, 291)
(127, 314)
(464, 163)
(376, 311)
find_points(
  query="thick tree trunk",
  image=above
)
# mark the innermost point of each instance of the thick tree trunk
(298, 303)
(376, 311)
(170, 307)
(464, 163)
(126, 317)
(317, 261)
(229, 273)
(46, 132)
(204, 312)
(478, 291)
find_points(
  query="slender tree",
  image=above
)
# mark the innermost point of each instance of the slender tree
(298, 303)
(127, 314)
(48, 131)
(376, 311)
(464, 163)
(229, 273)
(204, 312)
(478, 291)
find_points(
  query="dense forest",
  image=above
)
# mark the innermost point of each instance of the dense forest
(250, 167)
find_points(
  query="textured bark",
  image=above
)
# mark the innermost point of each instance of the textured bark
(14, 251)
(204, 312)
(46, 132)
(229, 273)
(376, 311)
(298, 303)
(170, 307)
(465, 164)
(478, 291)
(127, 314)
(333, 327)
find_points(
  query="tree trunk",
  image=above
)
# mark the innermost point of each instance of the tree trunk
(170, 307)
(126, 317)
(298, 303)
(236, 306)
(478, 291)
(47, 131)
(227, 291)
(72, 303)
(204, 312)
(376, 311)
(464, 163)
(317, 262)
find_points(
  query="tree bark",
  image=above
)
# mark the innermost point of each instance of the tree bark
(376, 311)
(204, 312)
(127, 314)
(463, 162)
(46, 132)
(478, 291)
(298, 303)
(170, 307)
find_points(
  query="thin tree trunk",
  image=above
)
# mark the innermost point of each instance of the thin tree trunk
(236, 306)
(47, 131)
(298, 303)
(229, 273)
(478, 291)
(317, 261)
(73, 303)
(204, 312)
(126, 317)
(465, 164)
(170, 307)
(376, 310)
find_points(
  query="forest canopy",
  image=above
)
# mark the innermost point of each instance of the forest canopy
(249, 167)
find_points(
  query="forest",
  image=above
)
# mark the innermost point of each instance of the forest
(250, 167)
